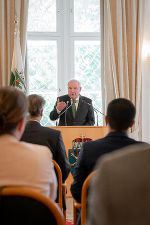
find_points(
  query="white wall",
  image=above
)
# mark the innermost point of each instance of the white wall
(146, 78)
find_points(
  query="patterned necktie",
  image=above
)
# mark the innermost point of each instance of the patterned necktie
(74, 108)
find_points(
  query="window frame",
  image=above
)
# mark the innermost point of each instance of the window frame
(65, 37)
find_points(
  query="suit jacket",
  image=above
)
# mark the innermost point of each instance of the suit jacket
(84, 114)
(37, 134)
(89, 155)
(119, 193)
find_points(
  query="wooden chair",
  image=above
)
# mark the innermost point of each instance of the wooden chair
(21, 205)
(61, 187)
(59, 179)
(83, 204)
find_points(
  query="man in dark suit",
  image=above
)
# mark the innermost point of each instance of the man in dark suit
(37, 134)
(64, 108)
(120, 117)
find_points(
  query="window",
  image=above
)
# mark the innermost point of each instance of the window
(64, 43)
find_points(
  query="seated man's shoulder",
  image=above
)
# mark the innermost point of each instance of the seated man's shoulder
(54, 133)
(94, 145)
(51, 131)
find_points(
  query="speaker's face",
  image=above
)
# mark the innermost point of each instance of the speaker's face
(73, 89)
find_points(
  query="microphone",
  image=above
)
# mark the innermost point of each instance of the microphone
(65, 111)
(95, 110)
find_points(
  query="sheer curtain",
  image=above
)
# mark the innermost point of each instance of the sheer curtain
(121, 38)
(8, 10)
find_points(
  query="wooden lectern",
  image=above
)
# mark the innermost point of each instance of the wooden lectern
(69, 133)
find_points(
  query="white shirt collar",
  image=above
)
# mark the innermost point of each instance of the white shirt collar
(77, 99)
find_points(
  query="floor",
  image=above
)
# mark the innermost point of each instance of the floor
(69, 203)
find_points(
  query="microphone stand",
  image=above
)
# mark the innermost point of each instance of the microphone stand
(96, 115)
(64, 112)
(95, 110)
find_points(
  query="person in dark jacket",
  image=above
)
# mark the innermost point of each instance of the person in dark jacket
(73, 109)
(120, 117)
(37, 134)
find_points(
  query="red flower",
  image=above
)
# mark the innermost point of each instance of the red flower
(82, 140)
(78, 140)
(87, 139)
(17, 81)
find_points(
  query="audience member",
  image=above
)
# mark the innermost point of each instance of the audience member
(37, 134)
(120, 117)
(22, 163)
(119, 193)
(79, 114)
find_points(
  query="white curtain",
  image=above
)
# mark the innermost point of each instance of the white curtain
(8, 10)
(121, 38)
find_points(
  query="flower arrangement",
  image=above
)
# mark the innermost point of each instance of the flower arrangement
(77, 142)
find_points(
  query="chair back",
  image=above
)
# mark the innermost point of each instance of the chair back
(59, 179)
(83, 204)
(84, 197)
(21, 205)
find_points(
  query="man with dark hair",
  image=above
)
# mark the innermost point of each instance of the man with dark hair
(37, 134)
(120, 117)
(120, 114)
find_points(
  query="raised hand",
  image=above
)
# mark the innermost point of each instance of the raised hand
(61, 105)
